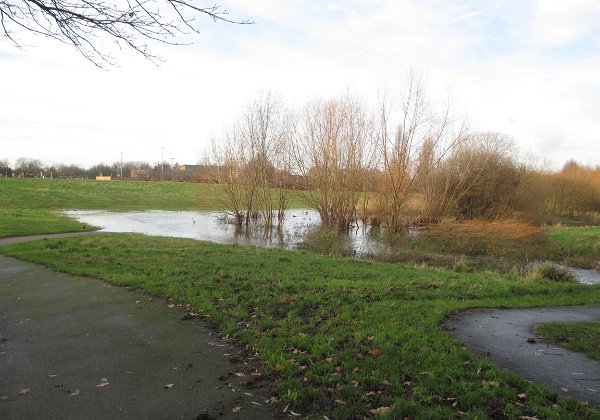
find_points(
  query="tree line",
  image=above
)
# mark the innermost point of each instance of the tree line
(25, 167)
(358, 162)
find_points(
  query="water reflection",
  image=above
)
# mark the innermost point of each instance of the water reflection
(218, 227)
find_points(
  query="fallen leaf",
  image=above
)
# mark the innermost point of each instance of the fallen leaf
(236, 409)
(76, 392)
(240, 375)
(375, 352)
(279, 367)
(103, 382)
(24, 391)
(493, 384)
(169, 386)
(522, 396)
(381, 410)
(385, 382)
(272, 400)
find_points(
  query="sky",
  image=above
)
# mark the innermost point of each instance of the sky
(528, 69)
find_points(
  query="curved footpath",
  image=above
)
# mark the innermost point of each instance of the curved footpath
(507, 337)
(75, 348)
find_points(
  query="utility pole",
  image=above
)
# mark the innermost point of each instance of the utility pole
(121, 165)
(162, 163)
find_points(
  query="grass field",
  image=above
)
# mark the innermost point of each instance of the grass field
(343, 338)
(582, 337)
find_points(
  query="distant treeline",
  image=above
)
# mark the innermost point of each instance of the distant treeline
(34, 168)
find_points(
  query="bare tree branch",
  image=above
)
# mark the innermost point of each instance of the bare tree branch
(131, 23)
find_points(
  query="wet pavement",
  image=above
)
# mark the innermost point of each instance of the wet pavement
(77, 348)
(507, 337)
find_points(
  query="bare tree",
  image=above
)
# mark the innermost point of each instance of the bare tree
(230, 164)
(444, 181)
(262, 129)
(253, 162)
(131, 24)
(332, 152)
(5, 169)
(27, 167)
(411, 140)
(493, 174)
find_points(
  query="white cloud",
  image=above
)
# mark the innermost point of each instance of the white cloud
(558, 22)
(57, 107)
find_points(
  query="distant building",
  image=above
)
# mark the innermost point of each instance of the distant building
(202, 173)
(103, 178)
(189, 168)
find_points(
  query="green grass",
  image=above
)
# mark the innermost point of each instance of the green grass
(32, 206)
(342, 337)
(17, 222)
(578, 245)
(582, 337)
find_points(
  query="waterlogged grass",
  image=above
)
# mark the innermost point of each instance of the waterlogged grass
(32, 206)
(504, 246)
(580, 245)
(582, 337)
(344, 338)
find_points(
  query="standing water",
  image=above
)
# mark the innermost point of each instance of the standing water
(218, 227)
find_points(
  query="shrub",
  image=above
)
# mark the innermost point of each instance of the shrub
(553, 272)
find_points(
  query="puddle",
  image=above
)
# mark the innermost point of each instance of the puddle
(582, 275)
(213, 226)
(586, 276)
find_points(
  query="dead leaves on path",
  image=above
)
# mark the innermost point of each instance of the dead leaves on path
(103, 382)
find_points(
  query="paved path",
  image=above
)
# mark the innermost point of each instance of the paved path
(77, 348)
(19, 239)
(506, 336)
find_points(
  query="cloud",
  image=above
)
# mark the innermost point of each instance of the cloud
(502, 60)
(559, 22)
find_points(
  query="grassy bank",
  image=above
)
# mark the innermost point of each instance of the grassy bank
(343, 337)
(582, 337)
(32, 206)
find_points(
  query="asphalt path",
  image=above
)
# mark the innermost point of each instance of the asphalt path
(507, 337)
(78, 348)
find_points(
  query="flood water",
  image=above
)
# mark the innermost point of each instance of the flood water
(216, 227)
